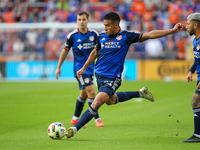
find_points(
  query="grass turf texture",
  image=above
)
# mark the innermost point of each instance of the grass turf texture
(28, 108)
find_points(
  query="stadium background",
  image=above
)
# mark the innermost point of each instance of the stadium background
(33, 33)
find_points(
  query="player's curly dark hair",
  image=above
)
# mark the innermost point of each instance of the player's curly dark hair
(114, 17)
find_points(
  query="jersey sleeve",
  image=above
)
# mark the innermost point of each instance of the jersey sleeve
(193, 68)
(98, 46)
(133, 37)
(68, 43)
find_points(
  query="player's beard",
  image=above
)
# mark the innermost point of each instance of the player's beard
(191, 32)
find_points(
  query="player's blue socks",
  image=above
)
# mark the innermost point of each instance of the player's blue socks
(85, 118)
(79, 106)
(90, 100)
(124, 96)
(196, 112)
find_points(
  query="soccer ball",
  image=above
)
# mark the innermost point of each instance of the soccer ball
(56, 130)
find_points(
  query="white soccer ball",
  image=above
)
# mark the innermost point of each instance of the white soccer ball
(56, 130)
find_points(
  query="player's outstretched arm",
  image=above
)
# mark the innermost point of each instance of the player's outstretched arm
(160, 33)
(63, 55)
(91, 58)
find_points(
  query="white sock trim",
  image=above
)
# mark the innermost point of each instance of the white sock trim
(140, 94)
(197, 135)
(90, 100)
(75, 118)
(97, 119)
(74, 129)
(81, 100)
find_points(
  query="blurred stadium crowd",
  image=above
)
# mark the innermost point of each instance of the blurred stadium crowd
(136, 15)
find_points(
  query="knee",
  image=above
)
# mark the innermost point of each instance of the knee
(194, 104)
(195, 100)
(96, 104)
(108, 102)
(91, 93)
(111, 100)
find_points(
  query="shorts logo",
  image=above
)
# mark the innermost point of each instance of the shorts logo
(91, 38)
(119, 37)
(87, 80)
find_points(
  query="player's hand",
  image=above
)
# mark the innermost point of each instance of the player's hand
(57, 73)
(189, 76)
(178, 27)
(80, 72)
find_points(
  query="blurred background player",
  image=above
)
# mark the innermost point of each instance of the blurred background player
(82, 41)
(110, 52)
(193, 28)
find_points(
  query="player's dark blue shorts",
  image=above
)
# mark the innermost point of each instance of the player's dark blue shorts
(85, 80)
(107, 85)
(197, 91)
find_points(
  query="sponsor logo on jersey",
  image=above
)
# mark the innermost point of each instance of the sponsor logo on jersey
(112, 45)
(119, 37)
(79, 46)
(196, 54)
(86, 46)
(91, 38)
(102, 45)
(79, 40)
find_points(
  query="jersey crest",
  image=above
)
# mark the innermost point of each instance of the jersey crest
(119, 37)
(198, 47)
(91, 38)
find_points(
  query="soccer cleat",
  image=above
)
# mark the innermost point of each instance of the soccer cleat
(146, 94)
(192, 139)
(70, 132)
(99, 123)
(73, 122)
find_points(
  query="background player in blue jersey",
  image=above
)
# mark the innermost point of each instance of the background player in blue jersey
(82, 41)
(110, 52)
(193, 28)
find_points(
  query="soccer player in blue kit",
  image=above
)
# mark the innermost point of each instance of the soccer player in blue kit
(82, 40)
(110, 52)
(193, 28)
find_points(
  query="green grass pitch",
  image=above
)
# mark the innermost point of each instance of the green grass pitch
(28, 108)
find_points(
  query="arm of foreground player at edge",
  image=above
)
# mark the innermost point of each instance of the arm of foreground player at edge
(160, 33)
(63, 55)
(91, 58)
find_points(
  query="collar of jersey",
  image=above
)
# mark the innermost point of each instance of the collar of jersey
(117, 32)
(81, 32)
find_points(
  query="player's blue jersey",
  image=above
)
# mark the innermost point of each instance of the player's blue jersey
(82, 45)
(112, 52)
(196, 50)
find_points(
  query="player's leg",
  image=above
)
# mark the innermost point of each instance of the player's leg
(80, 102)
(105, 92)
(124, 96)
(196, 110)
(90, 90)
(99, 100)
